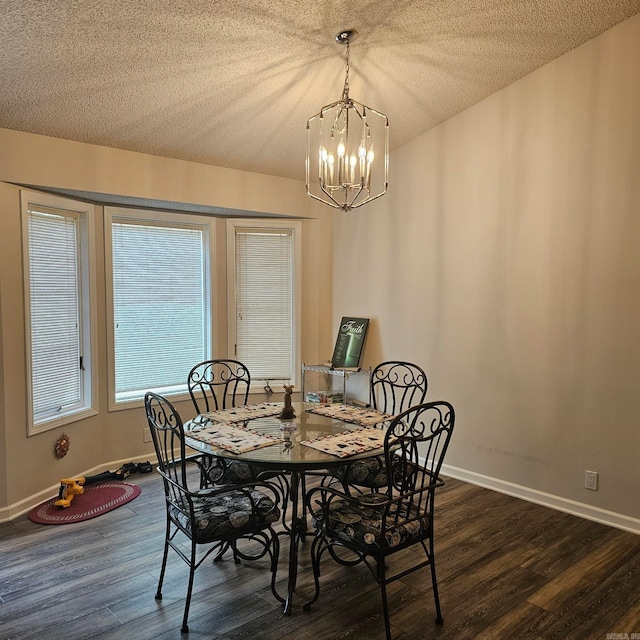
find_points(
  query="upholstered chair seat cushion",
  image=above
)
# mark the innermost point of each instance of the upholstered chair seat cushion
(220, 471)
(228, 514)
(371, 472)
(360, 521)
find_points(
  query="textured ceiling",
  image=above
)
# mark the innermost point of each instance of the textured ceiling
(233, 82)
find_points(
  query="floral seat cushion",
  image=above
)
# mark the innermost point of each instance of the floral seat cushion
(233, 472)
(228, 514)
(371, 472)
(361, 522)
(221, 471)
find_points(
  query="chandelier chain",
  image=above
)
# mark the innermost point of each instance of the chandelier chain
(345, 89)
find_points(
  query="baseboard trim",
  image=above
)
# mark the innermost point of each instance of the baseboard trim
(610, 518)
(21, 507)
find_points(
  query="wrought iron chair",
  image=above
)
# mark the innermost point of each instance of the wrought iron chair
(225, 384)
(214, 385)
(215, 516)
(395, 386)
(374, 526)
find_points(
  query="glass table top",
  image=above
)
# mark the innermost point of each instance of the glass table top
(287, 452)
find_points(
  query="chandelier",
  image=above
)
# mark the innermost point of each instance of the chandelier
(347, 162)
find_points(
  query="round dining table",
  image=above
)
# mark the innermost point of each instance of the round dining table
(287, 455)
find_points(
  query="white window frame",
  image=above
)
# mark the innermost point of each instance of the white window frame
(87, 331)
(157, 218)
(295, 227)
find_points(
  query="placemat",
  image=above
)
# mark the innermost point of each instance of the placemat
(349, 443)
(348, 413)
(245, 412)
(231, 437)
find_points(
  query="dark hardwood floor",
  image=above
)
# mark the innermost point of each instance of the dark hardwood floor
(507, 569)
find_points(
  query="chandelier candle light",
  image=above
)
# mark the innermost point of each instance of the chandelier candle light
(347, 149)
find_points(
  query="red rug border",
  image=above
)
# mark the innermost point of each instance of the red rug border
(130, 492)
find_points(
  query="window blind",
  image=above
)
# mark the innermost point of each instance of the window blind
(264, 302)
(56, 376)
(159, 310)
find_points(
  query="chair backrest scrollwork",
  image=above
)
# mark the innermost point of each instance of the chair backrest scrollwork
(415, 445)
(218, 384)
(397, 385)
(167, 434)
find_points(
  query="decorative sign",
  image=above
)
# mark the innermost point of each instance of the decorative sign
(349, 343)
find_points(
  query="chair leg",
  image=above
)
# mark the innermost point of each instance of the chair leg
(187, 604)
(218, 556)
(234, 548)
(164, 561)
(223, 550)
(383, 593)
(434, 581)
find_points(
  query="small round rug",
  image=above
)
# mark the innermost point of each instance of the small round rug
(96, 500)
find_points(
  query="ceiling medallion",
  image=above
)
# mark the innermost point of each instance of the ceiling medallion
(347, 163)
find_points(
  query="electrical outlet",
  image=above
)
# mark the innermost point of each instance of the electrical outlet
(591, 480)
(146, 434)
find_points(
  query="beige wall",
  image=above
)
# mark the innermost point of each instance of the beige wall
(28, 468)
(505, 259)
